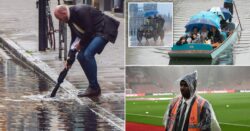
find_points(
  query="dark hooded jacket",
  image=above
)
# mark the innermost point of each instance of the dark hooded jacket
(91, 22)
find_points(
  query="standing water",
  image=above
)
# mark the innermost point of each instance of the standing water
(23, 107)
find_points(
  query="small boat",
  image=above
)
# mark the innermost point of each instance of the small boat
(202, 50)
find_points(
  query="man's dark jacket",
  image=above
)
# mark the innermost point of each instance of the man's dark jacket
(93, 22)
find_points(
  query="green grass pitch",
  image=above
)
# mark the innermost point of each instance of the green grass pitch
(232, 110)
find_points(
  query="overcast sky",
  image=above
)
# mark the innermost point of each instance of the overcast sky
(162, 7)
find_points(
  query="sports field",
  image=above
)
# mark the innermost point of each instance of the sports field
(232, 110)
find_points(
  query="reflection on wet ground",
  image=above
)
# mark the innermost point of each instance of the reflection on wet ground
(22, 106)
(167, 41)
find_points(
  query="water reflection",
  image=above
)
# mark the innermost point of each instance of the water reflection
(20, 113)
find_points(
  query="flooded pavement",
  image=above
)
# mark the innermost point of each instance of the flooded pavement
(168, 38)
(238, 54)
(23, 106)
(112, 86)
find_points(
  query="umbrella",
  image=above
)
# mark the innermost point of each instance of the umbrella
(200, 22)
(203, 18)
(224, 12)
(59, 81)
(64, 72)
(150, 13)
(206, 15)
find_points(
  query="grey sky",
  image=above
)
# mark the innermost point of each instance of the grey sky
(162, 7)
(165, 8)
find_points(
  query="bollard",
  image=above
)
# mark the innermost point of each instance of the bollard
(42, 22)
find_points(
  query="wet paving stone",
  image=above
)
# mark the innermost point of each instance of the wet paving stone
(23, 106)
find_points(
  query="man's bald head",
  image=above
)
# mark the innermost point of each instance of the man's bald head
(61, 13)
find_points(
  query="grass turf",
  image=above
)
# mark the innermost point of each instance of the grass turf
(236, 116)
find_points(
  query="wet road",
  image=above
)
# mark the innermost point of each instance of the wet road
(238, 54)
(23, 106)
(241, 50)
(167, 41)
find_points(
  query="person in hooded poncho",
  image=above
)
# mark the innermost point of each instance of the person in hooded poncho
(189, 111)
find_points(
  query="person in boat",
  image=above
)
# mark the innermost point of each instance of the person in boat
(214, 36)
(204, 33)
(223, 23)
(189, 111)
(182, 41)
(229, 5)
(193, 36)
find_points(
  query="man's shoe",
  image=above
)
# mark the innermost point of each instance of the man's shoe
(90, 92)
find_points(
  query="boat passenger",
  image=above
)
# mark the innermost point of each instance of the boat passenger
(182, 41)
(194, 35)
(214, 36)
(203, 34)
(223, 23)
(195, 30)
(229, 5)
(195, 38)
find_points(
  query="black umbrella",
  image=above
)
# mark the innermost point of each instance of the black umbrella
(59, 81)
(63, 74)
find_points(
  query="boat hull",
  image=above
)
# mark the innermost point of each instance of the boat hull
(203, 50)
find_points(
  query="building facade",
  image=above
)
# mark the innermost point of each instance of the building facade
(116, 6)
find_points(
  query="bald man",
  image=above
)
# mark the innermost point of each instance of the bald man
(91, 30)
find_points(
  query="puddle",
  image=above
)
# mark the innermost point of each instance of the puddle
(23, 104)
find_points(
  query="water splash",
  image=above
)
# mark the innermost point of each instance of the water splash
(40, 97)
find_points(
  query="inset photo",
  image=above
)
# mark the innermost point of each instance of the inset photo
(150, 24)
(184, 98)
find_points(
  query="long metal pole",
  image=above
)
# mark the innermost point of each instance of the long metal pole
(60, 35)
(43, 41)
(60, 39)
(65, 40)
(237, 15)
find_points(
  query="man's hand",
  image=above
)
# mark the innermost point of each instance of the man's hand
(67, 65)
(71, 59)
(78, 47)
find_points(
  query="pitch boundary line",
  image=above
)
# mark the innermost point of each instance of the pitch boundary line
(144, 115)
(223, 123)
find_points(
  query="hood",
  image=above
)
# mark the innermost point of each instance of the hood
(191, 80)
